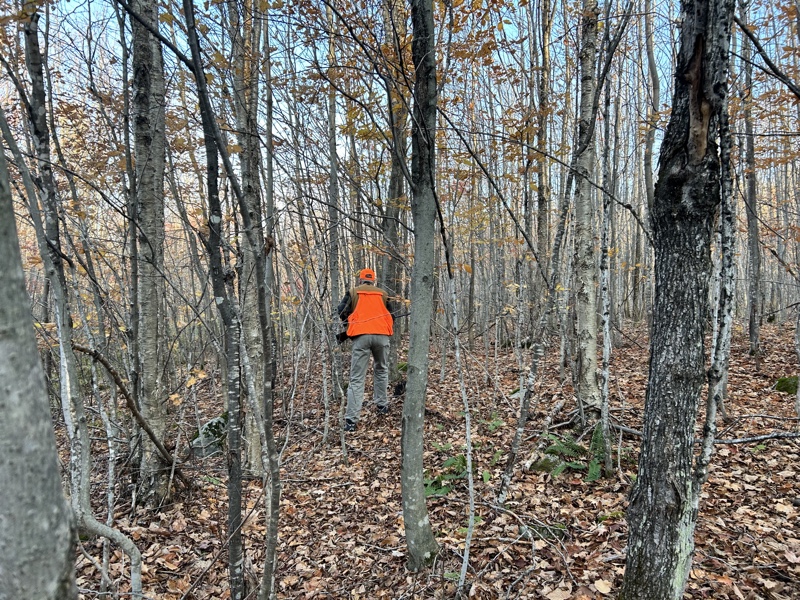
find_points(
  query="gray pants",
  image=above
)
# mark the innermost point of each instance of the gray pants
(363, 346)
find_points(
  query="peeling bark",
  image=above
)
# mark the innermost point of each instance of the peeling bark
(662, 513)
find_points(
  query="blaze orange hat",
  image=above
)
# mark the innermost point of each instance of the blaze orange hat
(366, 275)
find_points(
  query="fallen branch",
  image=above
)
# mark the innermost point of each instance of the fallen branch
(759, 438)
(170, 461)
(624, 429)
(778, 435)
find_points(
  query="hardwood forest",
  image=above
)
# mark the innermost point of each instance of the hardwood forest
(586, 212)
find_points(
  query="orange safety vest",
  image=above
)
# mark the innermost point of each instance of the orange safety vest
(370, 315)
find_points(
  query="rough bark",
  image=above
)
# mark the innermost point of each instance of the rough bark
(723, 310)
(396, 92)
(662, 513)
(422, 546)
(36, 538)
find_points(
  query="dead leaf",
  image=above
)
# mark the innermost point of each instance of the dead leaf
(603, 586)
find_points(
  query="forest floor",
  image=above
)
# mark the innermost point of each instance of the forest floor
(556, 537)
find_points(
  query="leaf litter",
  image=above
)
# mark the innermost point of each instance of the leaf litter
(556, 537)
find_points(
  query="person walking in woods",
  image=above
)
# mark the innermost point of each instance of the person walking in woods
(368, 313)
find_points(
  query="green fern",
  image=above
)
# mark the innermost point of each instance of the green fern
(595, 471)
(566, 453)
(565, 447)
(597, 450)
(597, 447)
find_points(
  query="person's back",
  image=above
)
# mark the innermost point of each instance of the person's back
(370, 314)
(366, 309)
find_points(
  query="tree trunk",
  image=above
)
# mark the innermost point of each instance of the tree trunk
(331, 319)
(422, 546)
(751, 205)
(392, 268)
(652, 106)
(36, 539)
(542, 139)
(149, 149)
(663, 512)
(245, 32)
(588, 390)
(220, 277)
(49, 241)
(605, 283)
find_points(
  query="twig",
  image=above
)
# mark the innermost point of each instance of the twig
(523, 575)
(779, 75)
(542, 436)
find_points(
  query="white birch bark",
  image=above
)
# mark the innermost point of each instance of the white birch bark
(587, 388)
(605, 287)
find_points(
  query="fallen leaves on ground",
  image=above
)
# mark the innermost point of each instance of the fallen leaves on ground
(341, 524)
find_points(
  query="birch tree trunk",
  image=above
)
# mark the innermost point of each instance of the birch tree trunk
(663, 513)
(422, 546)
(149, 149)
(588, 390)
(37, 537)
(605, 283)
(723, 309)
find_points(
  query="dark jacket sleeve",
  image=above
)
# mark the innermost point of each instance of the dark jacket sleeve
(392, 307)
(345, 308)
